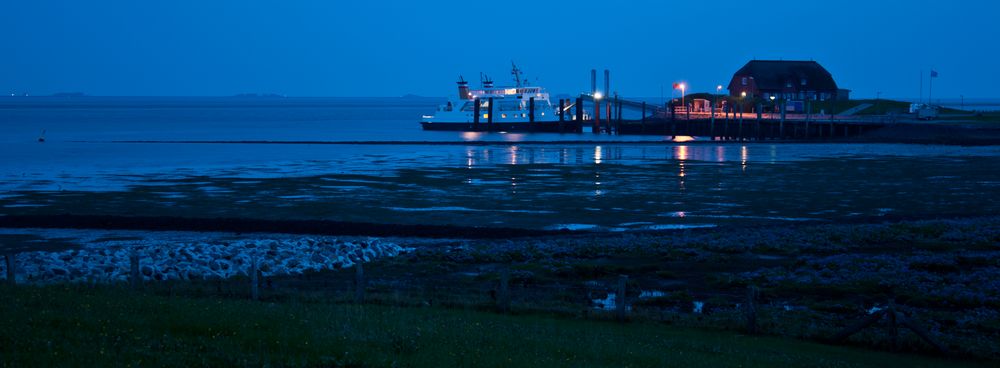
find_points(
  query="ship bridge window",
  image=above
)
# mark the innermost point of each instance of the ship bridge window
(509, 105)
(471, 105)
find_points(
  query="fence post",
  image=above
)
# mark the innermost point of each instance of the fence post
(620, 297)
(750, 310)
(893, 329)
(359, 282)
(135, 278)
(254, 280)
(503, 293)
(11, 269)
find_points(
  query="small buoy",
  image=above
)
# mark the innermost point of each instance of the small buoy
(41, 138)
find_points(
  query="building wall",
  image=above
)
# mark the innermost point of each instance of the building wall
(795, 92)
(743, 83)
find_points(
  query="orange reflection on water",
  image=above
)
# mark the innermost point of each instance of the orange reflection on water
(681, 152)
(598, 154)
(514, 137)
(471, 136)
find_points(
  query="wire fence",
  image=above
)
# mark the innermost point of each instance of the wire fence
(611, 298)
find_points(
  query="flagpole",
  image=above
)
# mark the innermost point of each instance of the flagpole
(930, 88)
(921, 100)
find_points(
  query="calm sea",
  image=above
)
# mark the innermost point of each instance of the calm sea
(522, 180)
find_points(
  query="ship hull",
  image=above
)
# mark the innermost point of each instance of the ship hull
(538, 127)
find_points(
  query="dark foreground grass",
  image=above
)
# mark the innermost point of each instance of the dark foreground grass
(75, 326)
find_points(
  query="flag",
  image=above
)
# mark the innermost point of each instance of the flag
(934, 74)
(677, 86)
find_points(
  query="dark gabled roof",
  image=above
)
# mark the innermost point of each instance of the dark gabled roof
(775, 74)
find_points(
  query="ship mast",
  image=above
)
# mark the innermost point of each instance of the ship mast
(517, 74)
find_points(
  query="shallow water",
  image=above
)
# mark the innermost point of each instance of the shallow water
(616, 184)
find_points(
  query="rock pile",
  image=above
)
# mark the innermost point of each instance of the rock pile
(110, 261)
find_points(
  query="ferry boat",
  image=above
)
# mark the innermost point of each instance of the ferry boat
(517, 108)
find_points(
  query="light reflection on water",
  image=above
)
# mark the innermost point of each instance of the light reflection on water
(471, 136)
(602, 185)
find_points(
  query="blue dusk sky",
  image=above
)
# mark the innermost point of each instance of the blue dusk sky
(392, 48)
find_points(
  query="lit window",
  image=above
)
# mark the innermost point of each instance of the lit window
(486, 116)
(744, 81)
(803, 81)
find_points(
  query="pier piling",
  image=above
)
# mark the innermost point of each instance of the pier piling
(781, 129)
(475, 114)
(597, 117)
(579, 112)
(531, 114)
(643, 120)
(489, 114)
(808, 115)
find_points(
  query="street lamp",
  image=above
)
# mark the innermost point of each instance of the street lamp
(718, 91)
(772, 106)
(683, 88)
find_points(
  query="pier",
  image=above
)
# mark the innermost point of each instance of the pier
(742, 117)
(722, 125)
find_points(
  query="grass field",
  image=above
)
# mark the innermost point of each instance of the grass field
(107, 326)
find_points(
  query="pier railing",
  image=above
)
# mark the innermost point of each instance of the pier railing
(733, 123)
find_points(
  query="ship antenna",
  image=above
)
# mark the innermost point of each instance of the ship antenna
(516, 72)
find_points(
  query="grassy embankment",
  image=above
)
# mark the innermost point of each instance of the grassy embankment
(77, 326)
